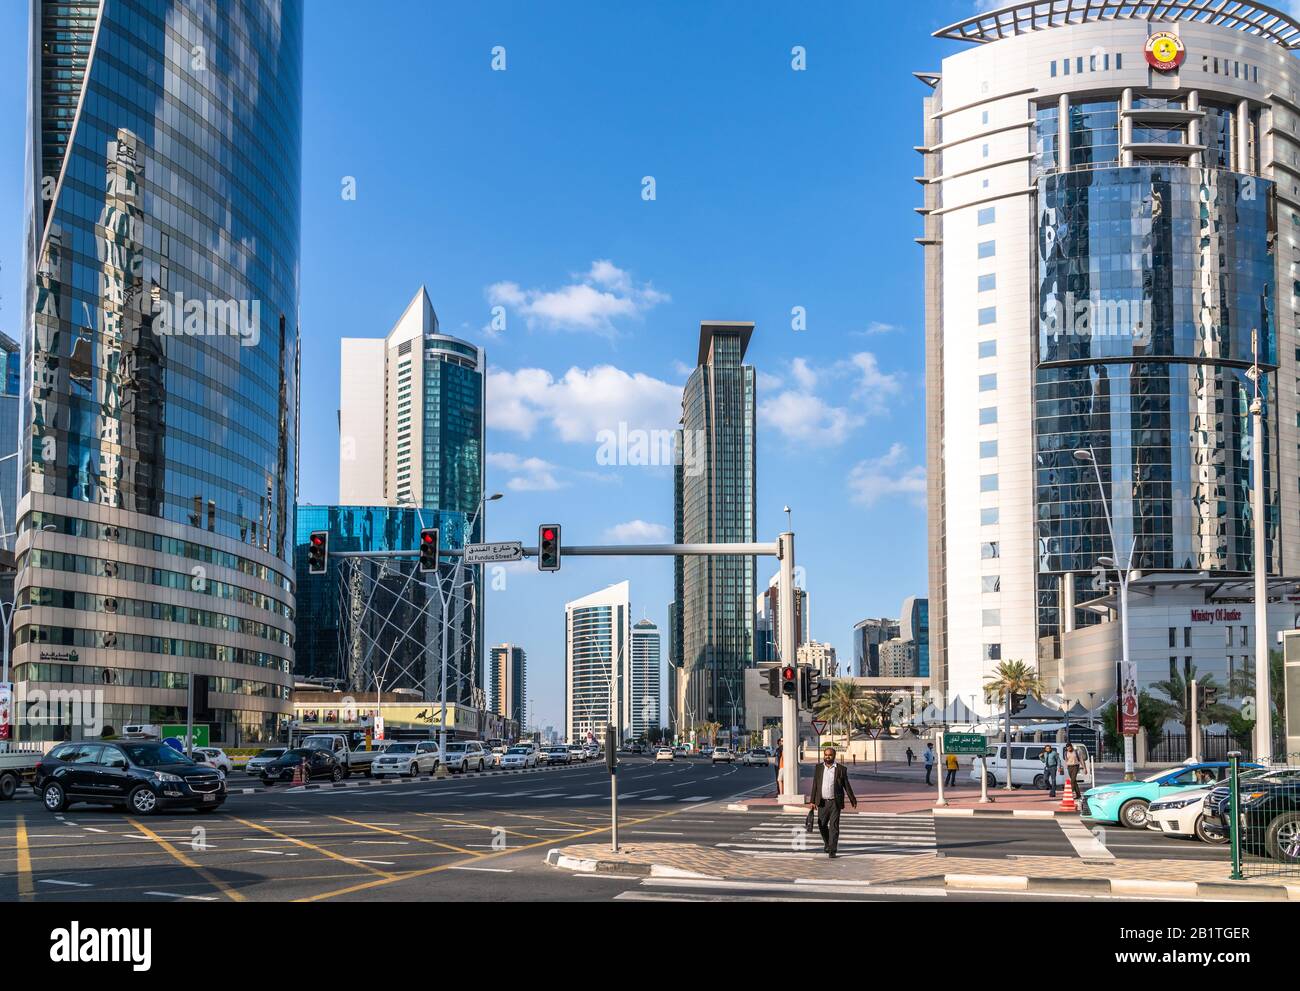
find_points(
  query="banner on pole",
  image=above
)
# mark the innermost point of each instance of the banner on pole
(1129, 723)
(6, 705)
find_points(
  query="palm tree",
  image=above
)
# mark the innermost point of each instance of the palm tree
(1012, 678)
(1176, 705)
(843, 705)
(1242, 685)
(710, 731)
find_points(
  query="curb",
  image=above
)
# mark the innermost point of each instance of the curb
(939, 811)
(617, 868)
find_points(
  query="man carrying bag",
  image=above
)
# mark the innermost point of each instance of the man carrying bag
(829, 787)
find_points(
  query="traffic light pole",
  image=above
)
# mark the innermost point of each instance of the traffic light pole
(789, 703)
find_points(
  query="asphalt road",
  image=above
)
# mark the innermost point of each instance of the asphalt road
(485, 838)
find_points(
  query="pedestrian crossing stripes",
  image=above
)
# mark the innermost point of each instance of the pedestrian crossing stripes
(861, 834)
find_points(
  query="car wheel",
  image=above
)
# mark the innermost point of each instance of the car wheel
(8, 785)
(991, 779)
(480, 767)
(414, 771)
(1205, 837)
(143, 801)
(1133, 813)
(54, 798)
(1040, 782)
(336, 774)
(1282, 840)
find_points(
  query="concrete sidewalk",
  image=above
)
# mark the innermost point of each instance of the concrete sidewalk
(1034, 875)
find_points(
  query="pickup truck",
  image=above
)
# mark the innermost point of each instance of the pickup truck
(16, 769)
(337, 744)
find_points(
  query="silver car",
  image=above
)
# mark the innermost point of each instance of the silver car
(409, 760)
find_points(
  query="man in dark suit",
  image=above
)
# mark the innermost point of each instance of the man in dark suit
(830, 786)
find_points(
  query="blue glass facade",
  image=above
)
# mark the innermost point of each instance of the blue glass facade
(160, 387)
(1152, 281)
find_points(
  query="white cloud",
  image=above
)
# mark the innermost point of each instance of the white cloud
(638, 532)
(801, 413)
(805, 418)
(874, 388)
(888, 475)
(593, 302)
(528, 474)
(875, 329)
(803, 374)
(583, 403)
(768, 382)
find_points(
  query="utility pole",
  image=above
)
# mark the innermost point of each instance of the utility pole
(1263, 696)
(789, 704)
(1195, 731)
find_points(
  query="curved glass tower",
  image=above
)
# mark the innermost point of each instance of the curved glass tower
(160, 386)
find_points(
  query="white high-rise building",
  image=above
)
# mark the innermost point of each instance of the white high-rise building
(1112, 210)
(646, 699)
(597, 663)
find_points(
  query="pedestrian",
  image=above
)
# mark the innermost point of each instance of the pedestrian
(1073, 765)
(910, 756)
(1051, 764)
(950, 777)
(928, 757)
(830, 786)
(780, 763)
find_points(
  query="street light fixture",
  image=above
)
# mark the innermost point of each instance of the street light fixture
(1089, 456)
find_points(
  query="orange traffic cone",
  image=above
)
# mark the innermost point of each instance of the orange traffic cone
(298, 777)
(1067, 803)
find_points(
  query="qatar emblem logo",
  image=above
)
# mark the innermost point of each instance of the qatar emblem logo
(1165, 52)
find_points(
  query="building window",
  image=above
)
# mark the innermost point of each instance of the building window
(1173, 636)
(990, 550)
(1053, 68)
(989, 517)
(988, 416)
(988, 215)
(993, 652)
(988, 249)
(992, 583)
(986, 151)
(988, 349)
(988, 483)
(988, 449)
(988, 383)
(988, 282)
(988, 315)
(992, 617)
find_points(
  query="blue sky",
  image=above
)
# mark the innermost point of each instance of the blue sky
(523, 188)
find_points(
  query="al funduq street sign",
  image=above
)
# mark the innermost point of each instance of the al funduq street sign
(499, 553)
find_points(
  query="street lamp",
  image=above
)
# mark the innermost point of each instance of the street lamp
(1090, 456)
(446, 604)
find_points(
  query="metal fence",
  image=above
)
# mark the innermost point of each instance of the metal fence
(1261, 812)
(1172, 748)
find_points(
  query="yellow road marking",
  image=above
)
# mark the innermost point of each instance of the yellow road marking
(25, 888)
(207, 875)
(478, 825)
(477, 860)
(318, 849)
(407, 836)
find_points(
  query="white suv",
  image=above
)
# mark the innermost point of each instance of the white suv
(722, 754)
(466, 755)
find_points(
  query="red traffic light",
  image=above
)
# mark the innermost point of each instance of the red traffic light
(787, 673)
(428, 537)
(318, 539)
(548, 534)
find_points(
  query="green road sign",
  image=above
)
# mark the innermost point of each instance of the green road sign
(966, 743)
(201, 735)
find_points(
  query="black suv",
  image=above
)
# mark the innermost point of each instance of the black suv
(142, 776)
(1270, 814)
(315, 764)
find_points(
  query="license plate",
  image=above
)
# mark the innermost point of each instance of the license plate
(209, 798)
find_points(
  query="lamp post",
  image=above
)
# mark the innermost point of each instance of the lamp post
(1090, 456)
(446, 603)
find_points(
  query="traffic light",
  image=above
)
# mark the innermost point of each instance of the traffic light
(548, 547)
(318, 552)
(810, 687)
(428, 550)
(790, 681)
(1018, 703)
(772, 680)
(1206, 695)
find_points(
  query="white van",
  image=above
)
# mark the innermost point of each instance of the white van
(1027, 766)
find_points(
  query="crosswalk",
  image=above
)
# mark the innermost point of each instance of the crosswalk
(861, 834)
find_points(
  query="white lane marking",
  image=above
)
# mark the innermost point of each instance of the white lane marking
(1085, 844)
(92, 829)
(698, 798)
(66, 884)
(558, 794)
(269, 853)
(382, 842)
(485, 870)
(172, 894)
(592, 795)
(382, 863)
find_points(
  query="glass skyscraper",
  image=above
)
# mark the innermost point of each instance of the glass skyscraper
(160, 369)
(715, 502)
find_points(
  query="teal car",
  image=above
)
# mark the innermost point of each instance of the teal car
(1126, 802)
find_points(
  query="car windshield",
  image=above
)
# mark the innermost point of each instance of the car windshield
(455, 746)
(300, 753)
(153, 754)
(272, 753)
(518, 750)
(401, 748)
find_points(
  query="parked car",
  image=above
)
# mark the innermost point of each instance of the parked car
(408, 760)
(1027, 768)
(1127, 802)
(255, 764)
(722, 755)
(216, 757)
(758, 757)
(706, 751)
(317, 764)
(517, 758)
(143, 776)
(578, 754)
(494, 757)
(557, 755)
(466, 755)
(337, 745)
(665, 753)
(1217, 807)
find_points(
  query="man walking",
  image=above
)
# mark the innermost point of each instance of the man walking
(830, 785)
(950, 779)
(780, 765)
(910, 756)
(928, 756)
(1051, 761)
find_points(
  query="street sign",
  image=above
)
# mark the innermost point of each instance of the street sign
(202, 736)
(500, 553)
(819, 726)
(966, 743)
